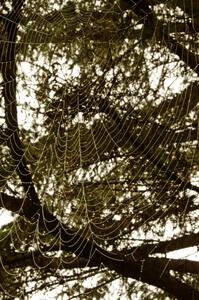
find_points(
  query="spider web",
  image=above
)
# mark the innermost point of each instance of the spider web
(99, 145)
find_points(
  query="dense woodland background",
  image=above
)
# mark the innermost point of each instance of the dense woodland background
(99, 149)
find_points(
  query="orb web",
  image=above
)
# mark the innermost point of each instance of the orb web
(99, 146)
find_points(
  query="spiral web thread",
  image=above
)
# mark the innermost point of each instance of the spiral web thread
(106, 140)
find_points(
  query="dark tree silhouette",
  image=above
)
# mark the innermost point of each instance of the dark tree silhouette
(99, 149)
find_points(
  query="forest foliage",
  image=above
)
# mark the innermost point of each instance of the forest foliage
(99, 149)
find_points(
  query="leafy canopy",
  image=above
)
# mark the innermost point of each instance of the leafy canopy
(99, 149)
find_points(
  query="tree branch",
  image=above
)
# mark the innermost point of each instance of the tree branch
(150, 271)
(165, 246)
(8, 70)
(140, 145)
